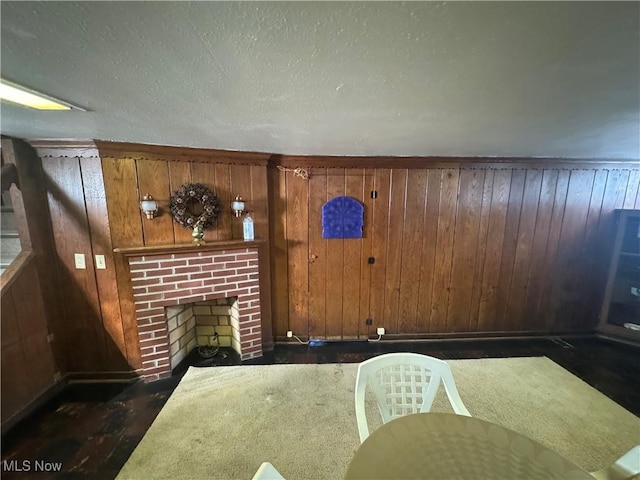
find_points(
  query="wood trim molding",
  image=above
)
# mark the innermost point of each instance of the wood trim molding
(292, 161)
(64, 148)
(184, 248)
(139, 151)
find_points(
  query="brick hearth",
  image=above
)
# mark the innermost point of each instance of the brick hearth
(161, 280)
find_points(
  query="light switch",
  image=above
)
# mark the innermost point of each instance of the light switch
(101, 264)
(80, 262)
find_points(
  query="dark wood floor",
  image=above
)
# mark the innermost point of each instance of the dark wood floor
(90, 430)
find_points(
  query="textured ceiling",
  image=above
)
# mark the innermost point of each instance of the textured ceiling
(532, 79)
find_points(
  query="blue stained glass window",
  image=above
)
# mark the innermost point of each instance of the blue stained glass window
(342, 217)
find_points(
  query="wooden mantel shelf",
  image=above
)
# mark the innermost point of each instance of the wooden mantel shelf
(188, 247)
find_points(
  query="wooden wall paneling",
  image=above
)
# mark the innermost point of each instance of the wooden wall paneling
(298, 261)
(71, 232)
(153, 179)
(224, 193)
(487, 313)
(354, 181)
(120, 184)
(260, 201)
(36, 232)
(15, 378)
(179, 174)
(367, 243)
(444, 249)
(10, 334)
(335, 264)
(317, 257)
(396, 226)
(205, 174)
(615, 191)
(533, 319)
(633, 189)
(548, 269)
(414, 213)
(32, 325)
(379, 234)
(100, 237)
(469, 207)
(121, 187)
(428, 249)
(241, 185)
(279, 251)
(509, 247)
(564, 298)
(590, 282)
(483, 231)
(524, 247)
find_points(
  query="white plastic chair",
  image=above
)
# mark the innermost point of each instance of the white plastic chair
(267, 472)
(626, 467)
(403, 383)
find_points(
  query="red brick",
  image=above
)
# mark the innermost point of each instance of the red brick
(247, 256)
(143, 266)
(218, 270)
(151, 328)
(195, 283)
(144, 282)
(200, 261)
(159, 272)
(204, 275)
(250, 336)
(236, 265)
(155, 356)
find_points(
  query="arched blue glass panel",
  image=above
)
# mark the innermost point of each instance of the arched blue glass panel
(342, 217)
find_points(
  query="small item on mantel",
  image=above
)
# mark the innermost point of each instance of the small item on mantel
(247, 227)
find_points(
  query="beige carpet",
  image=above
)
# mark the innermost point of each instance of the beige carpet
(223, 422)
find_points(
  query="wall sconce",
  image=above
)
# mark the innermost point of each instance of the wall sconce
(238, 206)
(149, 206)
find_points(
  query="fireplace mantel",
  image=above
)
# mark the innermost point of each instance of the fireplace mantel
(188, 247)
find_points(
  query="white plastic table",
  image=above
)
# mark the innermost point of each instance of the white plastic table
(444, 445)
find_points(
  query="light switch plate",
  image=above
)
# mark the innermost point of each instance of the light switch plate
(80, 262)
(101, 263)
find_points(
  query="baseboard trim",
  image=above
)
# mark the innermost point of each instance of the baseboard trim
(451, 337)
(131, 376)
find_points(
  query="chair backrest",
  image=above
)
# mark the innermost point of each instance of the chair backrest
(403, 383)
(267, 472)
(626, 467)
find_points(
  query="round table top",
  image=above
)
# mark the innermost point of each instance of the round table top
(444, 445)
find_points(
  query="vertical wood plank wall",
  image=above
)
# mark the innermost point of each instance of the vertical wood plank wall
(31, 310)
(459, 248)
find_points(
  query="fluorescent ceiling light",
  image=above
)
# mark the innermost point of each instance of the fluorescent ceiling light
(29, 98)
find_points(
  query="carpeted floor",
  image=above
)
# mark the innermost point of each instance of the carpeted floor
(224, 422)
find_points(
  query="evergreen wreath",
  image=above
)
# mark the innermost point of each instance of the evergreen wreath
(194, 204)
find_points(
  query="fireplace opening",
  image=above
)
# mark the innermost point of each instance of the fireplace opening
(202, 326)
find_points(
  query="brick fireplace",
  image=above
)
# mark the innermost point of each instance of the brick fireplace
(164, 277)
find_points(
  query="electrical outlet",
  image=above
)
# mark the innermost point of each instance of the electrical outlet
(380, 330)
(80, 262)
(289, 333)
(101, 263)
